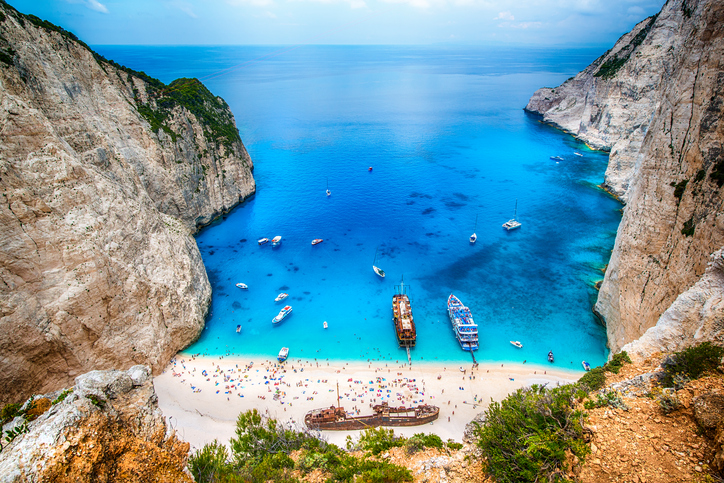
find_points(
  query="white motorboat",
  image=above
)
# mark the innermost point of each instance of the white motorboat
(283, 313)
(317, 241)
(325, 325)
(578, 154)
(328, 192)
(517, 344)
(238, 328)
(276, 241)
(283, 354)
(262, 241)
(512, 224)
(474, 237)
(281, 297)
(242, 286)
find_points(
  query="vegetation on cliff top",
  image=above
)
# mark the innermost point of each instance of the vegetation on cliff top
(211, 111)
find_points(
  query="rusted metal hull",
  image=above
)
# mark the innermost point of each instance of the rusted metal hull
(335, 419)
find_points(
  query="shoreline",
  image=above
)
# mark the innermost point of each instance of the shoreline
(201, 396)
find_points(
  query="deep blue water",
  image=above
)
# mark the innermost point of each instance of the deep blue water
(446, 134)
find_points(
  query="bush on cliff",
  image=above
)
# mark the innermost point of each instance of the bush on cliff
(691, 363)
(525, 437)
(617, 362)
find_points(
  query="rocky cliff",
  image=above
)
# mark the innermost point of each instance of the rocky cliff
(105, 173)
(106, 428)
(655, 100)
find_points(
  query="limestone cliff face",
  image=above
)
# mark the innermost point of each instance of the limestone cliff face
(104, 176)
(106, 428)
(673, 220)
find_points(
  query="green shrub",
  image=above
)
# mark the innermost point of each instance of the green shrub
(98, 402)
(9, 412)
(420, 441)
(378, 440)
(452, 445)
(691, 363)
(615, 62)
(594, 379)
(668, 402)
(617, 362)
(526, 436)
(366, 470)
(210, 462)
(610, 399)
(62, 396)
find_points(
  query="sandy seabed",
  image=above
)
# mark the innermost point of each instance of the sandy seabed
(201, 397)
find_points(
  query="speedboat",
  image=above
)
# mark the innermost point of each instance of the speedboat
(276, 241)
(550, 356)
(238, 328)
(473, 238)
(577, 153)
(262, 241)
(283, 354)
(586, 366)
(281, 297)
(317, 241)
(242, 286)
(369, 169)
(283, 313)
(556, 158)
(517, 344)
(325, 325)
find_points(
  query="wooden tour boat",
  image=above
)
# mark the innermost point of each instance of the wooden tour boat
(402, 318)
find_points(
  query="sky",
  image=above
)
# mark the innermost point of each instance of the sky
(289, 22)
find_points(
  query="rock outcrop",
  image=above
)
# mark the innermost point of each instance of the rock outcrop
(108, 428)
(105, 174)
(656, 100)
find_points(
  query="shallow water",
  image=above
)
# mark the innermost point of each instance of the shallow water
(449, 143)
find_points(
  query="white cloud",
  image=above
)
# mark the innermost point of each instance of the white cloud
(97, 6)
(505, 16)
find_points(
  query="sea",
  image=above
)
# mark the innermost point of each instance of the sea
(420, 146)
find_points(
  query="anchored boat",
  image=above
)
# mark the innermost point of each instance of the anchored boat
(336, 418)
(283, 313)
(283, 354)
(242, 286)
(512, 224)
(276, 241)
(402, 318)
(465, 328)
(281, 297)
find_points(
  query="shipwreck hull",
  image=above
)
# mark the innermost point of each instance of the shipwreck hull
(335, 419)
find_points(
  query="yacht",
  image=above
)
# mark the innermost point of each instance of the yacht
(276, 241)
(512, 224)
(283, 314)
(242, 286)
(281, 297)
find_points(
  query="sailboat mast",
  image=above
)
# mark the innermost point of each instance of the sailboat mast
(515, 214)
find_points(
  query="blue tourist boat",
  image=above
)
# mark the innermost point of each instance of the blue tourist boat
(465, 328)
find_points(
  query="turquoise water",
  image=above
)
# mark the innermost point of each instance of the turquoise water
(445, 133)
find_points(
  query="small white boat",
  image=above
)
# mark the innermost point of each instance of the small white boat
(281, 297)
(276, 241)
(242, 286)
(317, 241)
(578, 154)
(262, 241)
(556, 158)
(283, 313)
(474, 237)
(586, 365)
(283, 354)
(550, 356)
(325, 325)
(238, 328)
(512, 224)
(328, 192)
(517, 344)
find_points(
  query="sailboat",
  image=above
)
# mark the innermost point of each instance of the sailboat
(328, 192)
(474, 237)
(377, 269)
(512, 224)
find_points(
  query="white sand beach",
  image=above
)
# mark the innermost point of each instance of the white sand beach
(201, 397)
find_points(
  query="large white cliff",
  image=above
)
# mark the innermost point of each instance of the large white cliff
(655, 101)
(105, 174)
